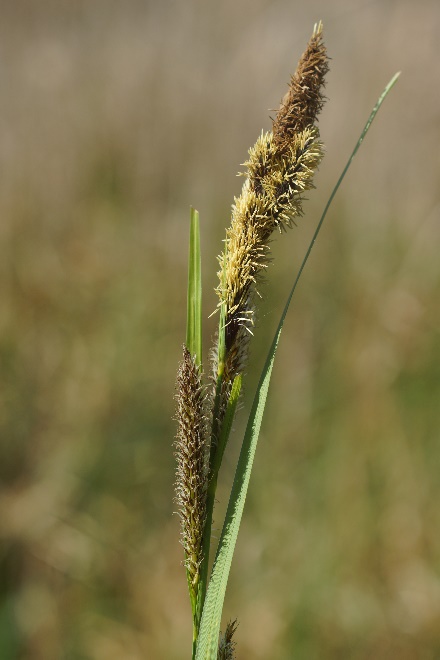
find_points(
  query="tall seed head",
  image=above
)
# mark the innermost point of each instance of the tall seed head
(280, 169)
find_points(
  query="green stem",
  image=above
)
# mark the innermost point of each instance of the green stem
(221, 355)
(193, 599)
(210, 497)
(226, 426)
(220, 431)
(195, 635)
(203, 582)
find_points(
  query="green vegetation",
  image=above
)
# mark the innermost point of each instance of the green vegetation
(109, 114)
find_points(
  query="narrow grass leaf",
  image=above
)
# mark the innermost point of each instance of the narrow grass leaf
(211, 617)
(194, 297)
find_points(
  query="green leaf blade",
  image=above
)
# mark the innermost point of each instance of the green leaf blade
(212, 611)
(194, 296)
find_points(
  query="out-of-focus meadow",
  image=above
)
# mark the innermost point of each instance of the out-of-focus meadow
(114, 118)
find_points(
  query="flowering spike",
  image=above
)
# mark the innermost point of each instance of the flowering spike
(192, 470)
(279, 170)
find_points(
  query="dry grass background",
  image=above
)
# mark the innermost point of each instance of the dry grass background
(114, 118)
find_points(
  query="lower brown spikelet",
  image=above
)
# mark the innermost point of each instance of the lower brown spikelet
(226, 645)
(192, 464)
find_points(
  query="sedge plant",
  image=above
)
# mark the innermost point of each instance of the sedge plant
(279, 170)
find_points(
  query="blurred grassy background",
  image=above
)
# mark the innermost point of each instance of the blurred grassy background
(114, 118)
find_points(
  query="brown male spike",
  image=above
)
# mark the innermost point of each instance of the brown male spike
(304, 98)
